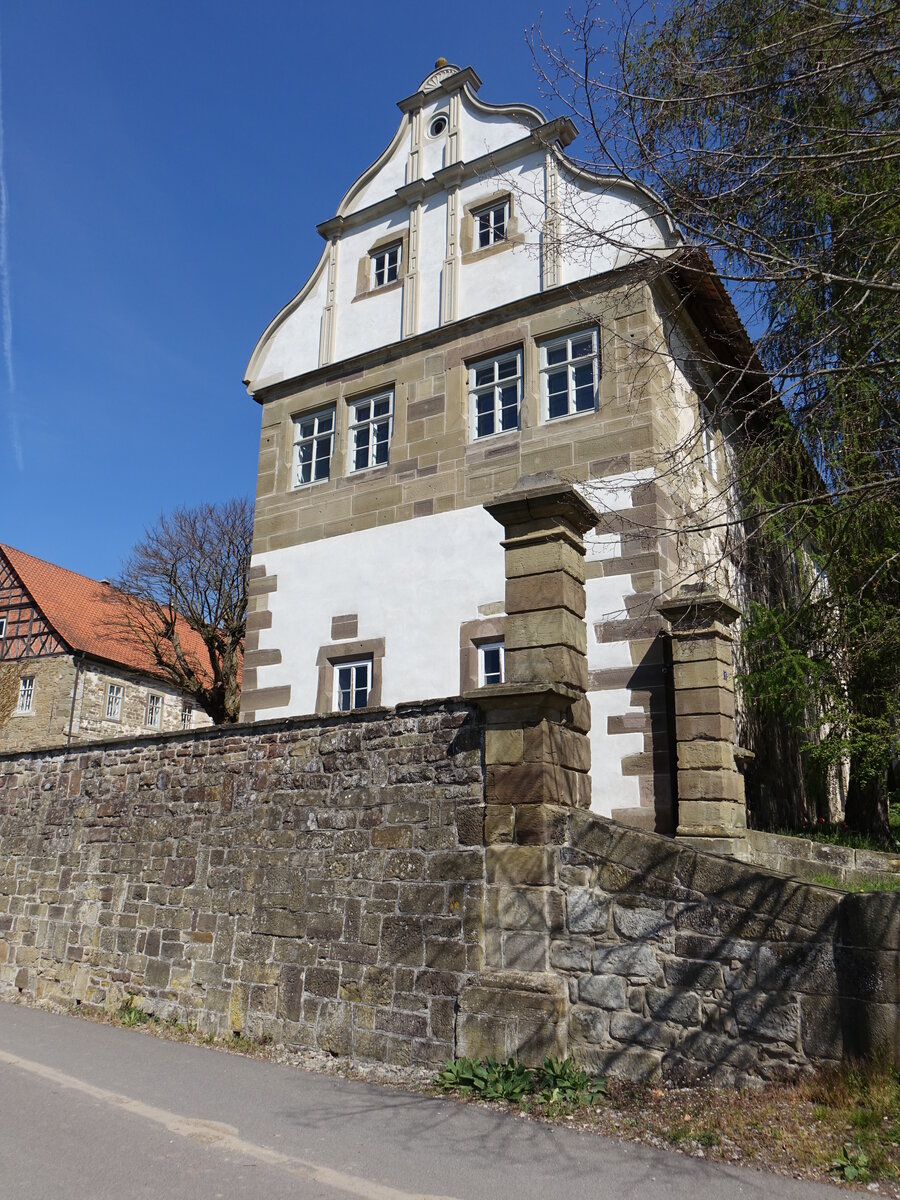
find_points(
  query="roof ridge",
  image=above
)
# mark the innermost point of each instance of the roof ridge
(6, 548)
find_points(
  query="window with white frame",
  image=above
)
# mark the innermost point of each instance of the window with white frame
(570, 374)
(26, 694)
(490, 663)
(708, 440)
(115, 694)
(371, 424)
(386, 265)
(313, 446)
(2, 627)
(490, 224)
(187, 715)
(352, 684)
(495, 394)
(154, 709)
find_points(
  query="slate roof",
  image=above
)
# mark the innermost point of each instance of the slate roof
(85, 612)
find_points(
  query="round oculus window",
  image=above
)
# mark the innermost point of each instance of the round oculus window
(437, 127)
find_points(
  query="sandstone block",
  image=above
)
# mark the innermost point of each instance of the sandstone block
(603, 991)
(532, 865)
(548, 627)
(705, 756)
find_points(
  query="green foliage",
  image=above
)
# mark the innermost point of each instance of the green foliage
(559, 1085)
(130, 1013)
(852, 1164)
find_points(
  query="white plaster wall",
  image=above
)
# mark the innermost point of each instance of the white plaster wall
(373, 320)
(413, 583)
(432, 249)
(605, 598)
(390, 175)
(602, 226)
(294, 345)
(483, 132)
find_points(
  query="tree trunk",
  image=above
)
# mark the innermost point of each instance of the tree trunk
(867, 806)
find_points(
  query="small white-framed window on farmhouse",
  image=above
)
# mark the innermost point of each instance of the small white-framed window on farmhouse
(313, 446)
(187, 715)
(371, 425)
(2, 627)
(352, 684)
(495, 394)
(26, 695)
(154, 709)
(490, 224)
(570, 374)
(490, 663)
(708, 440)
(115, 693)
(386, 265)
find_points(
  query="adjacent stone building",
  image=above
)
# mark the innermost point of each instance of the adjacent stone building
(485, 310)
(74, 675)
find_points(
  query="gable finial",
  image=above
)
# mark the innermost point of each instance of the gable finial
(440, 62)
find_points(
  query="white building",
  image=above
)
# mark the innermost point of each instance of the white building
(483, 310)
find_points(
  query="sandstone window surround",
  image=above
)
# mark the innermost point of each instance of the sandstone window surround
(570, 374)
(313, 446)
(154, 709)
(332, 658)
(495, 395)
(370, 430)
(383, 267)
(474, 638)
(25, 705)
(115, 694)
(489, 225)
(490, 664)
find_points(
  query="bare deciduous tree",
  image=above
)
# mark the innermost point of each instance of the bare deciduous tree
(183, 600)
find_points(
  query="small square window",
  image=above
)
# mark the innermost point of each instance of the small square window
(26, 694)
(187, 716)
(115, 694)
(352, 684)
(570, 374)
(386, 265)
(490, 663)
(495, 394)
(490, 224)
(2, 627)
(154, 709)
(313, 446)
(371, 425)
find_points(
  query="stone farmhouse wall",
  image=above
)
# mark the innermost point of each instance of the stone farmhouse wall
(317, 881)
(341, 883)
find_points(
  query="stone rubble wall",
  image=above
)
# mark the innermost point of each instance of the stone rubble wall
(806, 859)
(642, 955)
(316, 881)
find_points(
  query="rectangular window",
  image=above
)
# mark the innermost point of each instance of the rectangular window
(386, 265)
(154, 709)
(371, 425)
(114, 695)
(495, 394)
(708, 440)
(2, 627)
(187, 716)
(570, 374)
(313, 446)
(490, 663)
(352, 684)
(26, 694)
(490, 224)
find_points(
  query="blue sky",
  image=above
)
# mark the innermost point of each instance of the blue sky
(165, 166)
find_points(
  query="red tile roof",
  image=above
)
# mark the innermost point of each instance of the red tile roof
(86, 614)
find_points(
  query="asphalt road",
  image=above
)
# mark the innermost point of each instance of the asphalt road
(93, 1112)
